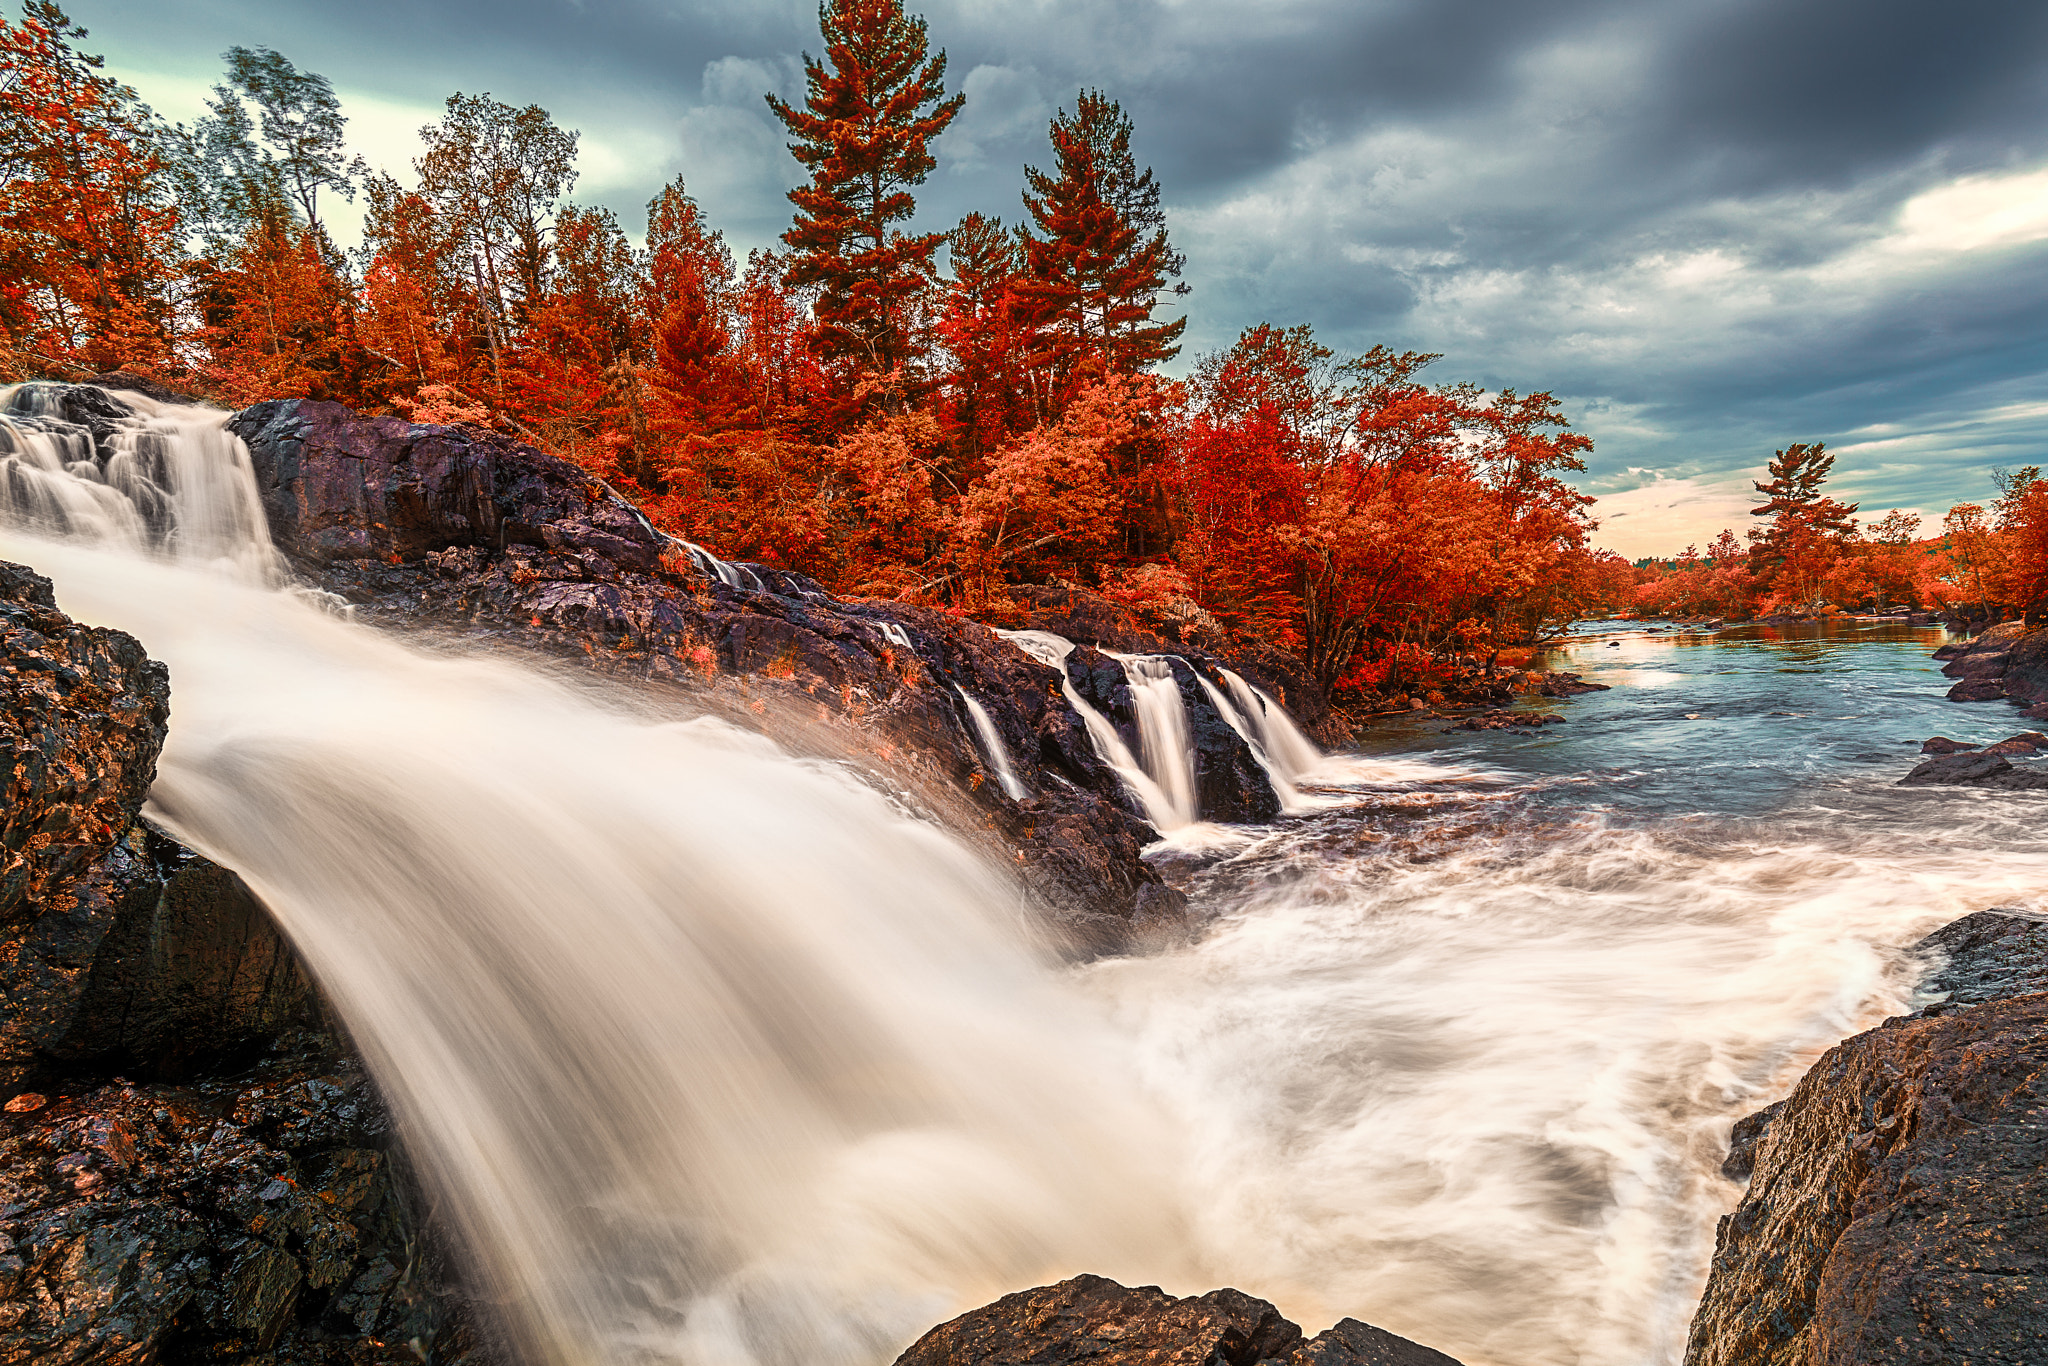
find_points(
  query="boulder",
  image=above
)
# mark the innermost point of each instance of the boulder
(1941, 744)
(1893, 1211)
(1090, 1319)
(1978, 690)
(1974, 770)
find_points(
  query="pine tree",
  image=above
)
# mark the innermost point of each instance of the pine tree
(864, 133)
(1099, 257)
(978, 324)
(1793, 499)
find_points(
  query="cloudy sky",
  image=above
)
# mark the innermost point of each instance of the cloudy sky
(1711, 226)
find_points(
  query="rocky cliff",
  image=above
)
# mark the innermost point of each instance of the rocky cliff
(193, 1166)
(1894, 1204)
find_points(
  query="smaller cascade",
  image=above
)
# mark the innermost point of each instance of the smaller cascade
(992, 745)
(1290, 799)
(161, 478)
(1164, 740)
(1049, 649)
(1292, 753)
(711, 567)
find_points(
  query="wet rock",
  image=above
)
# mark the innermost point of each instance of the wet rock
(1975, 770)
(1743, 1140)
(1509, 720)
(1094, 1320)
(2026, 744)
(82, 717)
(216, 1220)
(1941, 744)
(1978, 690)
(1893, 1213)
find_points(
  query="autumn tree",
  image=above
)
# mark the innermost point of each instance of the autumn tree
(494, 175)
(88, 227)
(985, 402)
(1793, 499)
(872, 107)
(1097, 256)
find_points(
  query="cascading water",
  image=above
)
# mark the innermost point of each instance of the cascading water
(712, 1055)
(1164, 743)
(717, 1058)
(1292, 754)
(1160, 807)
(992, 745)
(1290, 799)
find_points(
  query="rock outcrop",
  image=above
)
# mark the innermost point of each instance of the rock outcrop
(468, 532)
(2008, 662)
(1893, 1213)
(1981, 768)
(192, 1164)
(1092, 1320)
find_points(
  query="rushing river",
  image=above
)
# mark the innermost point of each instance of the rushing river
(717, 1057)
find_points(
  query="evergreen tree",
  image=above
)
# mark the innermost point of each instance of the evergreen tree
(978, 325)
(1099, 257)
(1794, 502)
(871, 110)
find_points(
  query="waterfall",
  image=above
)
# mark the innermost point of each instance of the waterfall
(1291, 752)
(992, 745)
(711, 567)
(1163, 739)
(175, 481)
(708, 1054)
(1160, 807)
(1283, 789)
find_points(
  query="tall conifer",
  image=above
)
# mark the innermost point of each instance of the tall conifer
(864, 132)
(1099, 257)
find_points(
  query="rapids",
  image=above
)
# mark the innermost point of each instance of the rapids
(716, 1056)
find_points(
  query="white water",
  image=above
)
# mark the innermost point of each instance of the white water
(992, 745)
(1290, 799)
(716, 1058)
(1292, 754)
(1164, 744)
(1160, 807)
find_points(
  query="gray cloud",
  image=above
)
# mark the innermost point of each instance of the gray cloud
(1713, 225)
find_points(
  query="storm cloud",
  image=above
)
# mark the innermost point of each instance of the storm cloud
(1711, 227)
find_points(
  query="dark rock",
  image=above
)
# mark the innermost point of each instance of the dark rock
(1351, 1343)
(1743, 1140)
(1941, 744)
(1975, 770)
(1509, 720)
(1977, 690)
(1094, 1320)
(2025, 745)
(82, 717)
(1986, 956)
(216, 1220)
(1894, 1212)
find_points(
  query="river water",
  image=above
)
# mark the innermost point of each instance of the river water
(1461, 1059)
(717, 1057)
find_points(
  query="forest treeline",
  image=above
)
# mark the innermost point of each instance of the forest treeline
(1810, 556)
(895, 411)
